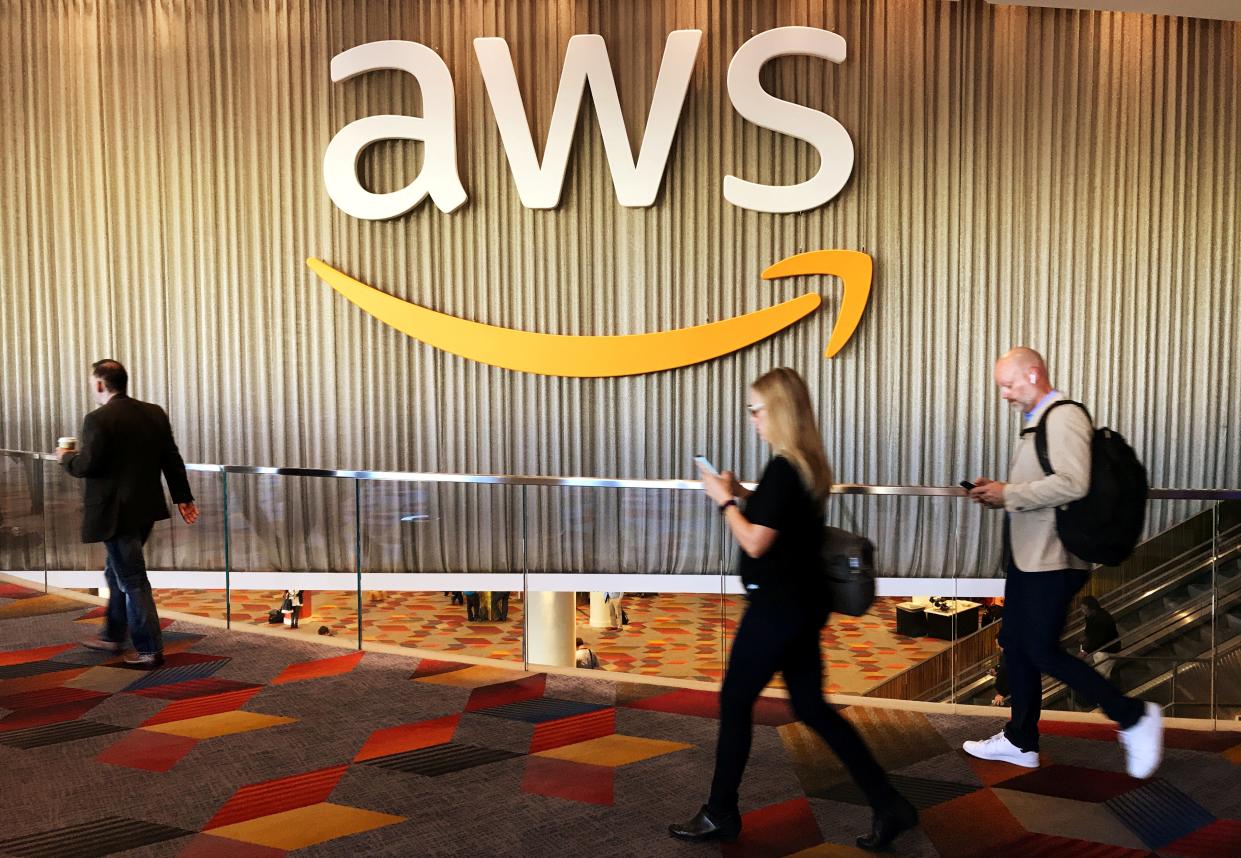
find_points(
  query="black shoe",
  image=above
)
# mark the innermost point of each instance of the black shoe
(888, 823)
(706, 826)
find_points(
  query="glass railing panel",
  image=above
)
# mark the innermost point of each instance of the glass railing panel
(902, 648)
(186, 563)
(642, 572)
(666, 633)
(927, 631)
(1161, 601)
(71, 564)
(442, 567)
(21, 516)
(291, 533)
(1225, 666)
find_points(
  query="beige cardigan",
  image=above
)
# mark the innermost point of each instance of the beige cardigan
(1031, 497)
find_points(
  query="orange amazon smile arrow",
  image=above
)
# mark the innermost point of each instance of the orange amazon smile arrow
(615, 355)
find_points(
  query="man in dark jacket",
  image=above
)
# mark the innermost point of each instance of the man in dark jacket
(124, 446)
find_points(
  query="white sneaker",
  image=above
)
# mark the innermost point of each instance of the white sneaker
(1143, 743)
(999, 748)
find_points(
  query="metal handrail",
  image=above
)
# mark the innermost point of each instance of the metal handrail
(612, 482)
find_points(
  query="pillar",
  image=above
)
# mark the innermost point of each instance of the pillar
(600, 616)
(551, 628)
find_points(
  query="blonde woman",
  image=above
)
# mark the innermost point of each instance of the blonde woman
(780, 532)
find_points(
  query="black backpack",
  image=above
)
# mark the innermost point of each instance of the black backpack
(1105, 525)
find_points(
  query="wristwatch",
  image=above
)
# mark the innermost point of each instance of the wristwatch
(726, 504)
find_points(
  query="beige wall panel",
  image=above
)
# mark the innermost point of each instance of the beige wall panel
(1063, 179)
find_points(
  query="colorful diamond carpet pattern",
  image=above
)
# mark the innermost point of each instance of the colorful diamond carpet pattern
(252, 746)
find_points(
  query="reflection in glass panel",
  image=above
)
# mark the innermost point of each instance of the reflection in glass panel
(186, 562)
(439, 527)
(197, 547)
(291, 524)
(62, 521)
(291, 534)
(633, 531)
(901, 527)
(21, 513)
(464, 538)
(669, 533)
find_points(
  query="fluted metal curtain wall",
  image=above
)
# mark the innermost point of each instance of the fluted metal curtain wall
(1063, 179)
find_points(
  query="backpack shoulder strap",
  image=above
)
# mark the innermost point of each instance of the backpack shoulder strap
(1040, 432)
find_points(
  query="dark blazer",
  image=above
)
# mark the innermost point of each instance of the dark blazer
(124, 447)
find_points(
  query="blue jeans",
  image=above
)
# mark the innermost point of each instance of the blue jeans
(1036, 607)
(130, 603)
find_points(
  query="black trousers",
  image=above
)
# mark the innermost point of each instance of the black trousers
(782, 633)
(1036, 606)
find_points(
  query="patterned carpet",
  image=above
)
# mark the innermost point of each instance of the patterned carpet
(680, 636)
(244, 746)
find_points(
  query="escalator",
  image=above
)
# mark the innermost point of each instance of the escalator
(1169, 621)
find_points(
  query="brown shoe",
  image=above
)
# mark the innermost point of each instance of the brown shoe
(101, 644)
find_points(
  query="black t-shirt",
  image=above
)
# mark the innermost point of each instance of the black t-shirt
(792, 564)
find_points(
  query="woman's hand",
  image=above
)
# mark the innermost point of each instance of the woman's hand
(734, 485)
(719, 487)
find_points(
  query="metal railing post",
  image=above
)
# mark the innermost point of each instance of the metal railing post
(1215, 550)
(228, 557)
(357, 549)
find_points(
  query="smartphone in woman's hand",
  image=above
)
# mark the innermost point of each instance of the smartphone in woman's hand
(705, 463)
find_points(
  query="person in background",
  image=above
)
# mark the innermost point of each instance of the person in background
(780, 533)
(586, 658)
(125, 446)
(993, 613)
(1000, 672)
(1101, 638)
(499, 605)
(616, 610)
(292, 606)
(473, 605)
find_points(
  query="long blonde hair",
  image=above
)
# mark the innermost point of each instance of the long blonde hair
(792, 429)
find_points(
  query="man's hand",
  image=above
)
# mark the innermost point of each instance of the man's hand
(61, 452)
(189, 512)
(988, 492)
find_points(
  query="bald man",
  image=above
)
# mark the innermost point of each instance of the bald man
(1043, 576)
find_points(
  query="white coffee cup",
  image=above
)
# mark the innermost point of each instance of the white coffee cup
(67, 442)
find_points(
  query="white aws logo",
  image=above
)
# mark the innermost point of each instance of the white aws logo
(539, 183)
